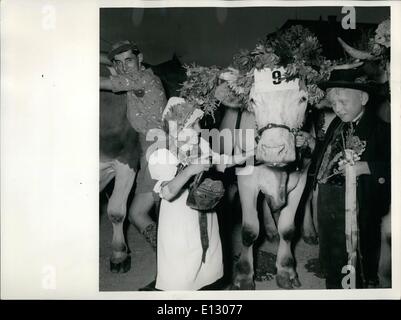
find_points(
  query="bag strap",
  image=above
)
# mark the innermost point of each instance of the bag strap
(198, 179)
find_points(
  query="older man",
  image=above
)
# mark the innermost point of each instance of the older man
(355, 127)
(146, 100)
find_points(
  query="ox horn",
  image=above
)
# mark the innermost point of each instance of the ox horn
(347, 66)
(355, 53)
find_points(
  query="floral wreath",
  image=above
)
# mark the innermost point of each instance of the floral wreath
(296, 48)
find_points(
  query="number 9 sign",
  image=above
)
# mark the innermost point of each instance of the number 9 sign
(267, 80)
(276, 75)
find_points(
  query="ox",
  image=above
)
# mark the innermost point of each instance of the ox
(119, 157)
(276, 114)
(120, 151)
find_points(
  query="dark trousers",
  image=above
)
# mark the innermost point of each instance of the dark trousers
(331, 227)
(332, 245)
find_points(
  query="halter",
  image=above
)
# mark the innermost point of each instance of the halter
(294, 131)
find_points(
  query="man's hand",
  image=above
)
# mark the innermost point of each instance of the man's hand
(105, 84)
(304, 139)
(360, 167)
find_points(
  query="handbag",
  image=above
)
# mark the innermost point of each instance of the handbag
(205, 193)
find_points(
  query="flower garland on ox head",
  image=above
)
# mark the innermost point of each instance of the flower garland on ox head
(200, 86)
(296, 49)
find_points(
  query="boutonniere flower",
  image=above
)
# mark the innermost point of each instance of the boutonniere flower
(353, 148)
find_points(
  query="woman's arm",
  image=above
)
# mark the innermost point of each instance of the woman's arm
(170, 190)
(226, 161)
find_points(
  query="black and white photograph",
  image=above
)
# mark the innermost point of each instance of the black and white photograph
(177, 151)
(244, 148)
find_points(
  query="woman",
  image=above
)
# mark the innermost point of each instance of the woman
(182, 262)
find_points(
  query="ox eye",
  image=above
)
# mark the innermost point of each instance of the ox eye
(302, 100)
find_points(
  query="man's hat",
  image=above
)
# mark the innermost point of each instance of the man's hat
(122, 46)
(353, 78)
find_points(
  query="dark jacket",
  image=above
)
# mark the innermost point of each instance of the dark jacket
(374, 190)
(377, 134)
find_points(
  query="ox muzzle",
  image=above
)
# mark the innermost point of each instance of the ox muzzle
(276, 145)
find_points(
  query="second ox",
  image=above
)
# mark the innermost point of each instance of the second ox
(276, 111)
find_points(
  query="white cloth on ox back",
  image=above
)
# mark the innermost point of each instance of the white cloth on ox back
(268, 80)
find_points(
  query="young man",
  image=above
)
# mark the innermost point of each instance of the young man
(355, 121)
(146, 100)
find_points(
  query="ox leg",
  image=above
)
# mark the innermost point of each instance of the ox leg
(308, 229)
(120, 261)
(106, 174)
(287, 277)
(269, 223)
(385, 253)
(243, 268)
(314, 207)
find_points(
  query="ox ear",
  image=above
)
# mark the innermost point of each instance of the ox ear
(223, 92)
(226, 96)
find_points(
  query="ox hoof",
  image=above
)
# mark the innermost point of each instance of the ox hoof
(311, 240)
(283, 280)
(234, 287)
(243, 285)
(295, 282)
(119, 266)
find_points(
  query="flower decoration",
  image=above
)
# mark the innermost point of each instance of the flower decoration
(382, 36)
(379, 43)
(352, 148)
(200, 86)
(296, 49)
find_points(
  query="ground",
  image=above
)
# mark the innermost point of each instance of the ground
(143, 266)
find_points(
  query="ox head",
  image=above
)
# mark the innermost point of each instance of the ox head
(279, 107)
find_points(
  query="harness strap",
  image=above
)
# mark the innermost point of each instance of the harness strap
(203, 234)
(270, 125)
(238, 122)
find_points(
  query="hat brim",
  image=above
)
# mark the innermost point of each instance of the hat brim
(366, 87)
(123, 48)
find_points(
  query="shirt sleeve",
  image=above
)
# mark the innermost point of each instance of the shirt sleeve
(162, 167)
(134, 81)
